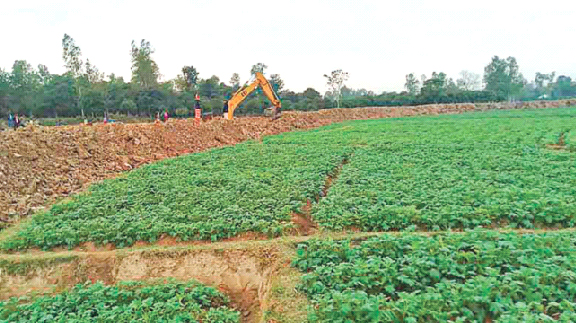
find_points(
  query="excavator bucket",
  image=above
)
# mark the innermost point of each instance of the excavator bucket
(276, 113)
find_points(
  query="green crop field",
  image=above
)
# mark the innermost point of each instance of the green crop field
(211, 195)
(472, 277)
(126, 302)
(447, 186)
(490, 169)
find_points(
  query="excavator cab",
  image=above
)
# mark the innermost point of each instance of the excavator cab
(241, 94)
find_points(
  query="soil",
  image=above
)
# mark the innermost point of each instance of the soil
(303, 220)
(332, 177)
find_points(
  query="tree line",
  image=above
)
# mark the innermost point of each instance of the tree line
(85, 91)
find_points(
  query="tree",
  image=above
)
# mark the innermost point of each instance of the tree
(260, 67)
(210, 87)
(58, 96)
(24, 84)
(92, 74)
(190, 76)
(43, 74)
(468, 81)
(435, 87)
(128, 106)
(564, 86)
(235, 81)
(543, 81)
(311, 93)
(276, 82)
(71, 54)
(346, 92)
(502, 77)
(335, 82)
(4, 91)
(412, 84)
(145, 72)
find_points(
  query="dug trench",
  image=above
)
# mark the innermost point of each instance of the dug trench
(243, 273)
(303, 219)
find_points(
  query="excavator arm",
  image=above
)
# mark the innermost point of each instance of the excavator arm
(242, 93)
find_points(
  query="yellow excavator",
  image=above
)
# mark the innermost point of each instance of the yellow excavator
(248, 88)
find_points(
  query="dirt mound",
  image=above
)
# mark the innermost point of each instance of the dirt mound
(527, 104)
(40, 164)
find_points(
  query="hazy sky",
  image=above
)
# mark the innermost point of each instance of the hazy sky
(377, 42)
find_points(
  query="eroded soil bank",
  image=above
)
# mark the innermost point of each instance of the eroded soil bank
(243, 274)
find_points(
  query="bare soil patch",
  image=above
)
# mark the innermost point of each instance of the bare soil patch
(303, 220)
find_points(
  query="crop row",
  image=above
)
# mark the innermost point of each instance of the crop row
(127, 302)
(433, 187)
(472, 277)
(462, 171)
(206, 196)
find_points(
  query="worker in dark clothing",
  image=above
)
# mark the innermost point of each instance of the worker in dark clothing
(225, 109)
(197, 108)
(197, 103)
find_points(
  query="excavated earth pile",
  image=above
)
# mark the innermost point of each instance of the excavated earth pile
(40, 164)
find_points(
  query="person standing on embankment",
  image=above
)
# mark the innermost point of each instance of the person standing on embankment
(197, 108)
(16, 121)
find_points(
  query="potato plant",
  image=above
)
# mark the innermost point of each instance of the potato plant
(479, 276)
(483, 169)
(126, 302)
(206, 196)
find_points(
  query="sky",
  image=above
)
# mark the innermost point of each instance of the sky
(376, 42)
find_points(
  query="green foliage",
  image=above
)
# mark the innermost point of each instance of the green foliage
(412, 84)
(461, 277)
(206, 196)
(335, 82)
(129, 106)
(252, 106)
(454, 172)
(216, 106)
(210, 88)
(145, 72)
(126, 302)
(503, 78)
(71, 54)
(435, 87)
(190, 76)
(259, 67)
(276, 82)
